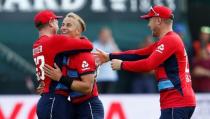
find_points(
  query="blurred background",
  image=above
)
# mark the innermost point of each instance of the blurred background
(112, 25)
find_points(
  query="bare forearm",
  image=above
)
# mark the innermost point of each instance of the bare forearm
(81, 86)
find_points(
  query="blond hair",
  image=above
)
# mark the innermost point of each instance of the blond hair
(79, 19)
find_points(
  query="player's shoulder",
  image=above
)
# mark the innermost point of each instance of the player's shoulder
(41, 40)
(171, 37)
(85, 55)
(58, 36)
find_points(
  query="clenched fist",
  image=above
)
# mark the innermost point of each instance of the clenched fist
(116, 64)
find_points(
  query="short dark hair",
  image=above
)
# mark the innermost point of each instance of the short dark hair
(40, 25)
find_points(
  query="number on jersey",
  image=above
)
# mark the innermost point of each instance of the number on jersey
(188, 79)
(39, 62)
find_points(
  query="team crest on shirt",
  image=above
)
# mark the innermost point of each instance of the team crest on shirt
(85, 65)
(160, 48)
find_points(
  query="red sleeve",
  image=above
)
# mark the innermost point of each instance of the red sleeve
(62, 43)
(143, 51)
(165, 48)
(85, 63)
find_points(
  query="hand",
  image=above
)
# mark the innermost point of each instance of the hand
(116, 64)
(53, 73)
(101, 57)
(40, 88)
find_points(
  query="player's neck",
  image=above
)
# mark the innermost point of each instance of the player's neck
(45, 33)
(77, 36)
(164, 31)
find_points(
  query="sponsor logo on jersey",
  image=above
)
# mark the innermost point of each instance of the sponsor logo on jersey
(160, 48)
(85, 65)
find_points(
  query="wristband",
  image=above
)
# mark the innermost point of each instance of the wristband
(66, 81)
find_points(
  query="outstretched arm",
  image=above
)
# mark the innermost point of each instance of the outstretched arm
(163, 51)
(130, 55)
(133, 55)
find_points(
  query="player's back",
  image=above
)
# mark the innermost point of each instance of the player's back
(43, 53)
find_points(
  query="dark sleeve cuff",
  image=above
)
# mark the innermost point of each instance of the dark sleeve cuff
(66, 81)
(127, 57)
(110, 56)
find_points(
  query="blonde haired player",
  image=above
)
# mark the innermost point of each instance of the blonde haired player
(78, 74)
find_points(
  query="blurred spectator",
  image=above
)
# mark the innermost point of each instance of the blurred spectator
(201, 73)
(144, 82)
(107, 77)
(202, 45)
(201, 63)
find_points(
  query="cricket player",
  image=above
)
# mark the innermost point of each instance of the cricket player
(78, 73)
(46, 49)
(168, 58)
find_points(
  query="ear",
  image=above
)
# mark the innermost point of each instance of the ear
(51, 22)
(78, 31)
(159, 20)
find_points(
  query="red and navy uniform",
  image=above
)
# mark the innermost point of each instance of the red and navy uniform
(85, 105)
(48, 49)
(169, 59)
(78, 65)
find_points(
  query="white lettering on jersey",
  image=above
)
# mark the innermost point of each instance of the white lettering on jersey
(187, 70)
(85, 65)
(37, 50)
(39, 62)
(160, 48)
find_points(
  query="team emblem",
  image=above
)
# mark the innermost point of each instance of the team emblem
(160, 48)
(85, 65)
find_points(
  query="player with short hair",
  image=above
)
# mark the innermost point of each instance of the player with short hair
(168, 58)
(78, 73)
(46, 49)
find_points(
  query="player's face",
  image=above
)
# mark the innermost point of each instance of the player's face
(70, 27)
(154, 25)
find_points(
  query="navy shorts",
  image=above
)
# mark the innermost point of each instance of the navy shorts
(177, 113)
(52, 106)
(90, 109)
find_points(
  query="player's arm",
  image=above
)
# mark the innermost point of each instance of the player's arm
(87, 77)
(85, 85)
(164, 50)
(40, 88)
(86, 68)
(70, 45)
(130, 55)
